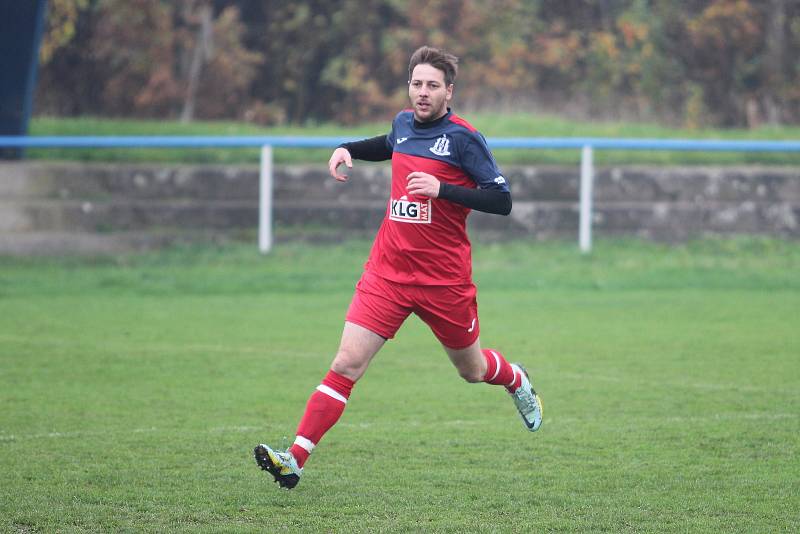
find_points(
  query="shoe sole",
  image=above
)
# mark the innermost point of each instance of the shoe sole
(264, 461)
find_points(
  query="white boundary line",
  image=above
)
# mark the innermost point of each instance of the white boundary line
(140, 347)
(135, 347)
(704, 386)
(569, 421)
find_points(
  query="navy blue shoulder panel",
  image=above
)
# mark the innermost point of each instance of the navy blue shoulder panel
(478, 161)
(452, 141)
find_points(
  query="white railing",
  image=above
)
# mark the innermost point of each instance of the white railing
(586, 145)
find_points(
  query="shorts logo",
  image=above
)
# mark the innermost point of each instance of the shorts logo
(441, 147)
(409, 211)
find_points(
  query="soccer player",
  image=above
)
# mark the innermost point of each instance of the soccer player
(421, 258)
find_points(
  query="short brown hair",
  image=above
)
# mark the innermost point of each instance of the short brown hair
(438, 59)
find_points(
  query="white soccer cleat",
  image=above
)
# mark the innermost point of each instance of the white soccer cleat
(281, 465)
(527, 401)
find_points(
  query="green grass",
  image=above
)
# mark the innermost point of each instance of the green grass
(492, 125)
(134, 388)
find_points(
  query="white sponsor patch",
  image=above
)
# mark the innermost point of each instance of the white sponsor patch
(409, 211)
(500, 180)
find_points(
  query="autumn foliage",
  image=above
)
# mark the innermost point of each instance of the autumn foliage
(688, 62)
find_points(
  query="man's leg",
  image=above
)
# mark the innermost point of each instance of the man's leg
(356, 349)
(477, 365)
(488, 365)
(325, 406)
(452, 314)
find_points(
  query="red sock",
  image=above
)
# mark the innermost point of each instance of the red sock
(499, 372)
(322, 411)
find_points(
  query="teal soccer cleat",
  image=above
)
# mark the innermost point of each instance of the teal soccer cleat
(281, 465)
(527, 401)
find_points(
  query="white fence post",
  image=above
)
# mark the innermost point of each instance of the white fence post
(265, 201)
(587, 184)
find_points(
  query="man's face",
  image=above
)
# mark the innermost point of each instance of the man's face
(428, 93)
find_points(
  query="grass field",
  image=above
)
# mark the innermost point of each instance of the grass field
(491, 124)
(133, 390)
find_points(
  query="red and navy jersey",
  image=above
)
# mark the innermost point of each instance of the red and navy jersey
(423, 241)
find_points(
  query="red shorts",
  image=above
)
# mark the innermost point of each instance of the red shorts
(451, 312)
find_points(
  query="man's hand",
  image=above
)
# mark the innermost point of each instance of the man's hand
(422, 184)
(339, 156)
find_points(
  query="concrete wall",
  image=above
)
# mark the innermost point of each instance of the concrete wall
(56, 207)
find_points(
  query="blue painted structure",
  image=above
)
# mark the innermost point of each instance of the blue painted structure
(696, 145)
(21, 26)
(587, 145)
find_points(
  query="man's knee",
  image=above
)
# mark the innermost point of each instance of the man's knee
(350, 362)
(469, 362)
(471, 375)
(356, 349)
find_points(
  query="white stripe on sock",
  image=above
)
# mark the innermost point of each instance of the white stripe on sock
(329, 391)
(514, 379)
(305, 443)
(496, 365)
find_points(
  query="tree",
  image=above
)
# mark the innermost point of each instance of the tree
(134, 57)
(696, 62)
(62, 18)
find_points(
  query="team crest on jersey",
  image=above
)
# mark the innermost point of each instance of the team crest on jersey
(410, 211)
(441, 147)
